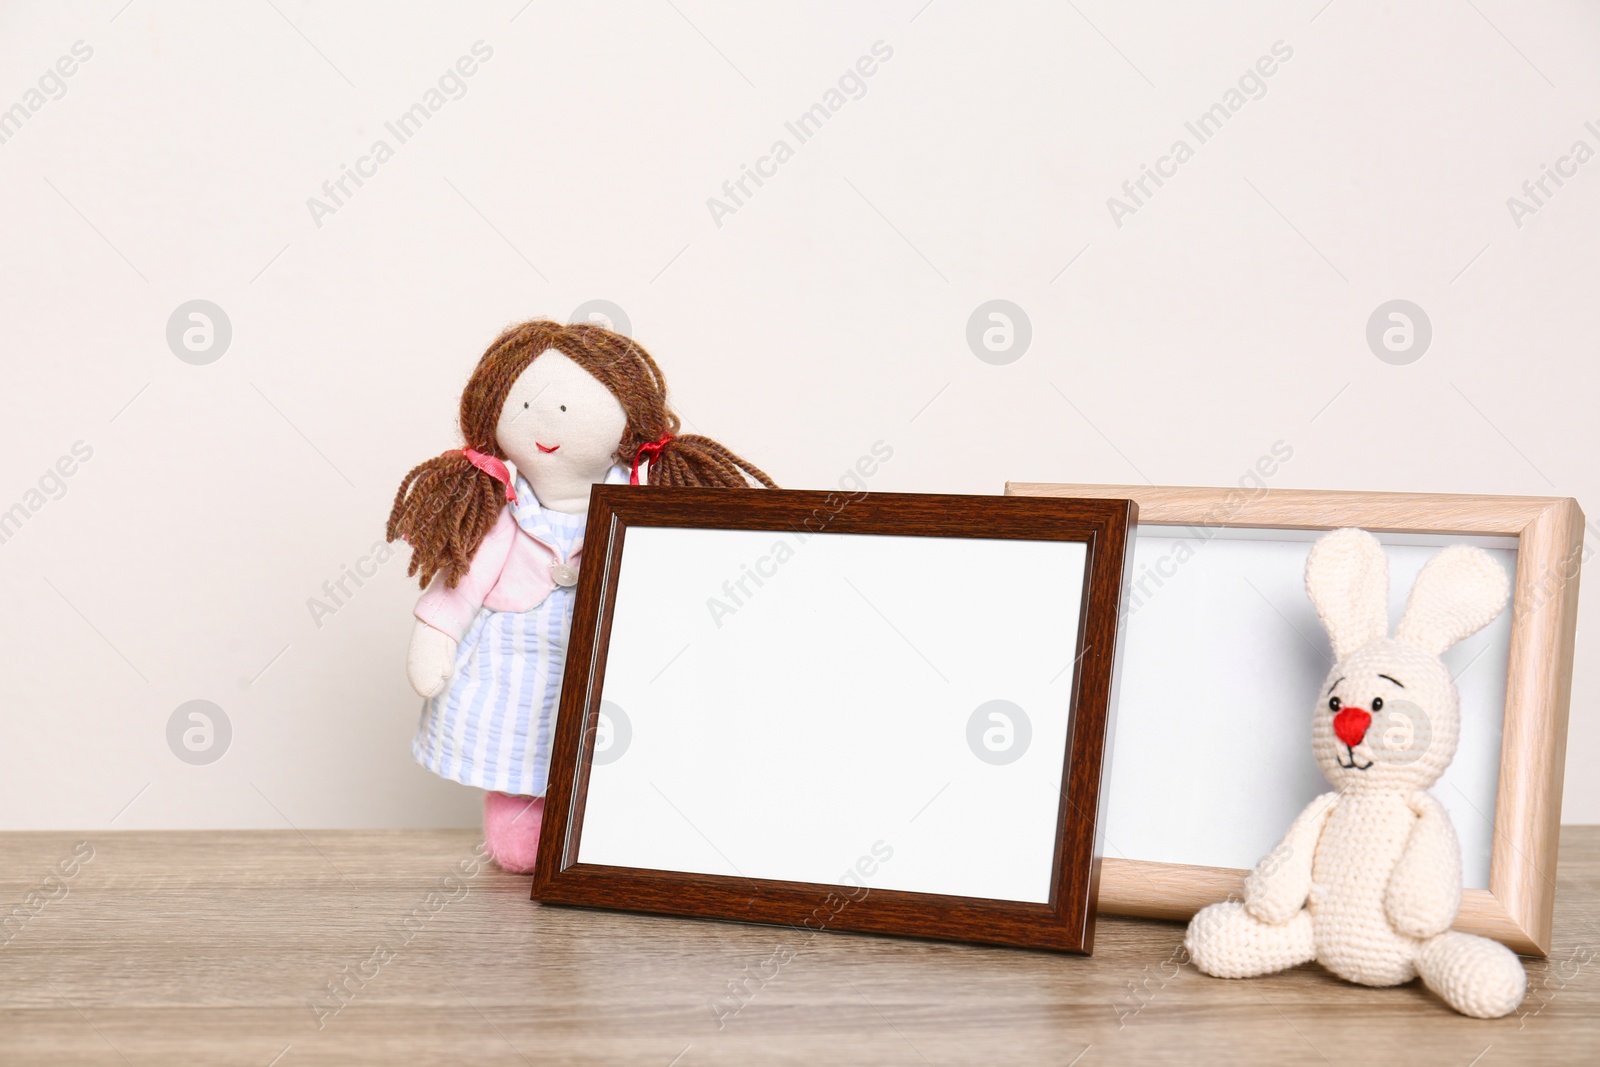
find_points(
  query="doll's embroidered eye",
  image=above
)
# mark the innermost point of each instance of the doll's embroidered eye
(563, 407)
(524, 405)
(1377, 703)
(1334, 704)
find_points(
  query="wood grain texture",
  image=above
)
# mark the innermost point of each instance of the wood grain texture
(1065, 922)
(210, 948)
(1516, 908)
(1312, 509)
(1533, 740)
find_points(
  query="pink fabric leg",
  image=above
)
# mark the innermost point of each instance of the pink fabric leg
(511, 830)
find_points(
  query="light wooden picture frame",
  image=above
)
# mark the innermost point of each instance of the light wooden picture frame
(1548, 533)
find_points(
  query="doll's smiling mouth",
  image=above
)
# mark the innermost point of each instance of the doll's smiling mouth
(545, 448)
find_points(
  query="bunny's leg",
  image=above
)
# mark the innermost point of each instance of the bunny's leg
(1474, 975)
(511, 830)
(1226, 941)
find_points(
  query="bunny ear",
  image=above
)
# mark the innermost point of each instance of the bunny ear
(1347, 578)
(1459, 592)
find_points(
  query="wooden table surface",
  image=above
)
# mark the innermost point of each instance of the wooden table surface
(227, 948)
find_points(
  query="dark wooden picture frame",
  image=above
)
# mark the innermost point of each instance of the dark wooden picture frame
(1065, 922)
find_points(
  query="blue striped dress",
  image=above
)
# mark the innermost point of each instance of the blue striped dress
(492, 726)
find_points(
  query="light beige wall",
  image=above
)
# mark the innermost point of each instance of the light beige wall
(829, 311)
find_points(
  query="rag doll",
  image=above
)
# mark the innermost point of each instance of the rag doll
(1367, 881)
(496, 536)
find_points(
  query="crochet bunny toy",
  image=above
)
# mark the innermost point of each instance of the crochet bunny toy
(497, 549)
(1367, 881)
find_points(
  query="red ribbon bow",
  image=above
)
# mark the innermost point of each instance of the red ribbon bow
(493, 467)
(649, 450)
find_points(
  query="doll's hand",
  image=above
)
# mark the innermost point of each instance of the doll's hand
(431, 659)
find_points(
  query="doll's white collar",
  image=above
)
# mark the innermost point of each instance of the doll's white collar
(526, 508)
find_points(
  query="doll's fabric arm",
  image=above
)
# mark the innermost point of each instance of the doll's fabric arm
(452, 610)
(1424, 892)
(1277, 889)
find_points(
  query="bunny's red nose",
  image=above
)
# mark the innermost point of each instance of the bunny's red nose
(1351, 725)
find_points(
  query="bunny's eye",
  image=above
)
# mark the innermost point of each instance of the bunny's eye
(563, 407)
(1377, 703)
(1334, 704)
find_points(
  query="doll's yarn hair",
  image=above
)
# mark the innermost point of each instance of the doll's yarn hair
(446, 506)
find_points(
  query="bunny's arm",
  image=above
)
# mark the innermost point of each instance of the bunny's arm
(1279, 885)
(1425, 889)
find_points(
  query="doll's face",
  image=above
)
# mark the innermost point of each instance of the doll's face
(560, 423)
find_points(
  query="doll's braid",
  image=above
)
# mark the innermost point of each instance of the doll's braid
(446, 505)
